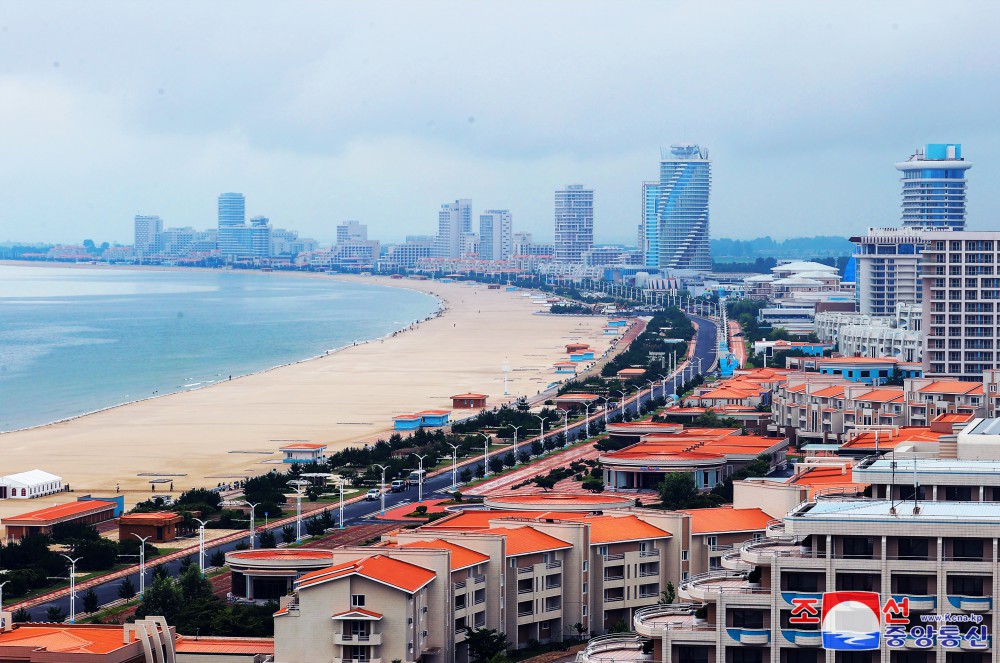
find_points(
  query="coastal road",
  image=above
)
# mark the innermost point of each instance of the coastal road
(363, 511)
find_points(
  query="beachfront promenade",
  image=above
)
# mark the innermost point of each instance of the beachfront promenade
(356, 510)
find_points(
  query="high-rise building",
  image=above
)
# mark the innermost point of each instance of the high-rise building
(260, 237)
(232, 209)
(934, 187)
(454, 220)
(574, 223)
(496, 237)
(146, 230)
(351, 231)
(961, 291)
(888, 269)
(676, 235)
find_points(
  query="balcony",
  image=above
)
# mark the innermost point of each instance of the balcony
(750, 636)
(733, 561)
(971, 603)
(614, 648)
(459, 585)
(553, 565)
(763, 552)
(918, 602)
(649, 553)
(775, 529)
(522, 570)
(802, 637)
(478, 580)
(357, 639)
(612, 558)
(709, 586)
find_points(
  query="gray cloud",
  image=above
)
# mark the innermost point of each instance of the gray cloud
(380, 111)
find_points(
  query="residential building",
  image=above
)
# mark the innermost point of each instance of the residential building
(961, 291)
(407, 255)
(146, 230)
(888, 269)
(649, 226)
(351, 231)
(863, 335)
(454, 220)
(496, 235)
(232, 210)
(679, 231)
(934, 187)
(260, 237)
(574, 223)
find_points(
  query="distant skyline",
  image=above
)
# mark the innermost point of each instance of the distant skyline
(324, 112)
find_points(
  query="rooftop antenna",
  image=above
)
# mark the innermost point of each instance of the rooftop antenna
(892, 485)
(916, 488)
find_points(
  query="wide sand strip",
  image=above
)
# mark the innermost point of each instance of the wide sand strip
(232, 428)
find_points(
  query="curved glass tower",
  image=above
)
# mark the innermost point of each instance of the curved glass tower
(676, 238)
(934, 187)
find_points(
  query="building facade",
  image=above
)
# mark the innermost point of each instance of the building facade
(574, 223)
(454, 220)
(888, 269)
(146, 230)
(496, 235)
(351, 231)
(676, 223)
(934, 187)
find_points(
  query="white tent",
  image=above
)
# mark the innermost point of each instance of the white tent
(33, 483)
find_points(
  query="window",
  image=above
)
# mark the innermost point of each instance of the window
(584, 588)
(584, 611)
(602, 550)
(966, 585)
(586, 565)
(712, 541)
(684, 555)
(967, 549)
(357, 600)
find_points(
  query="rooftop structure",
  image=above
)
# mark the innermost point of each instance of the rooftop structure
(934, 187)
(88, 512)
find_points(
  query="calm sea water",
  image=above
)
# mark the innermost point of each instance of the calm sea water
(77, 340)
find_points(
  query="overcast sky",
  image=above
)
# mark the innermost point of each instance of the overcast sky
(381, 111)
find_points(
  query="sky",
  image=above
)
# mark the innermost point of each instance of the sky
(382, 111)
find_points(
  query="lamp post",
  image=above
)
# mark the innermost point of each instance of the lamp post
(541, 437)
(201, 544)
(1, 593)
(516, 428)
(382, 487)
(420, 478)
(699, 365)
(72, 587)
(624, 394)
(253, 523)
(607, 401)
(652, 393)
(486, 454)
(566, 426)
(298, 511)
(142, 562)
(586, 420)
(663, 387)
(341, 520)
(454, 465)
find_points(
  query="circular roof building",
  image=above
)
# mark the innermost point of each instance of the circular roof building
(558, 502)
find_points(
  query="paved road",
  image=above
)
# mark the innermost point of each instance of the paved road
(363, 511)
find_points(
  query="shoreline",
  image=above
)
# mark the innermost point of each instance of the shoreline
(413, 325)
(236, 427)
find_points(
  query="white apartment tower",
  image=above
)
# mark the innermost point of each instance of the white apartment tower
(351, 231)
(146, 230)
(496, 237)
(961, 293)
(934, 187)
(574, 223)
(454, 221)
(675, 228)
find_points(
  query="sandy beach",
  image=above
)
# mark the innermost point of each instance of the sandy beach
(234, 428)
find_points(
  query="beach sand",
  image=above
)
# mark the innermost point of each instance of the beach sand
(234, 428)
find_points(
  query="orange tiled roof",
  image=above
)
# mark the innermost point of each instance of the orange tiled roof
(281, 553)
(889, 440)
(526, 540)
(887, 395)
(953, 417)
(59, 512)
(610, 529)
(835, 391)
(470, 396)
(461, 557)
(303, 446)
(216, 645)
(434, 412)
(154, 518)
(358, 611)
(386, 570)
(66, 639)
(726, 519)
(477, 519)
(952, 387)
(579, 397)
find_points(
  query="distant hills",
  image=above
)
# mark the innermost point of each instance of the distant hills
(800, 248)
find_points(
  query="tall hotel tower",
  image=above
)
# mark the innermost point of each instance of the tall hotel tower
(674, 232)
(574, 223)
(934, 187)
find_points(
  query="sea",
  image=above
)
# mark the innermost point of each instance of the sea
(74, 340)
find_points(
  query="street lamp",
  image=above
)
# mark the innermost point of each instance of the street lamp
(663, 387)
(382, 487)
(541, 437)
(516, 428)
(72, 587)
(341, 521)
(253, 522)
(586, 420)
(652, 394)
(201, 544)
(624, 401)
(699, 365)
(486, 454)
(1, 593)
(298, 510)
(142, 562)
(420, 478)
(454, 466)
(566, 426)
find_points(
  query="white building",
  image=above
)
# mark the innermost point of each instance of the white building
(888, 268)
(934, 187)
(496, 236)
(874, 336)
(351, 231)
(454, 220)
(30, 484)
(574, 223)
(961, 292)
(146, 230)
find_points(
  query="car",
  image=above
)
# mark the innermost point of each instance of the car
(373, 494)
(398, 486)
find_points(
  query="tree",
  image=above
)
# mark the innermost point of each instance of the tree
(485, 643)
(90, 601)
(287, 534)
(618, 627)
(163, 598)
(161, 571)
(523, 456)
(593, 484)
(55, 614)
(677, 489)
(218, 559)
(537, 448)
(669, 595)
(508, 459)
(480, 471)
(496, 465)
(21, 615)
(126, 590)
(186, 563)
(546, 483)
(194, 585)
(268, 540)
